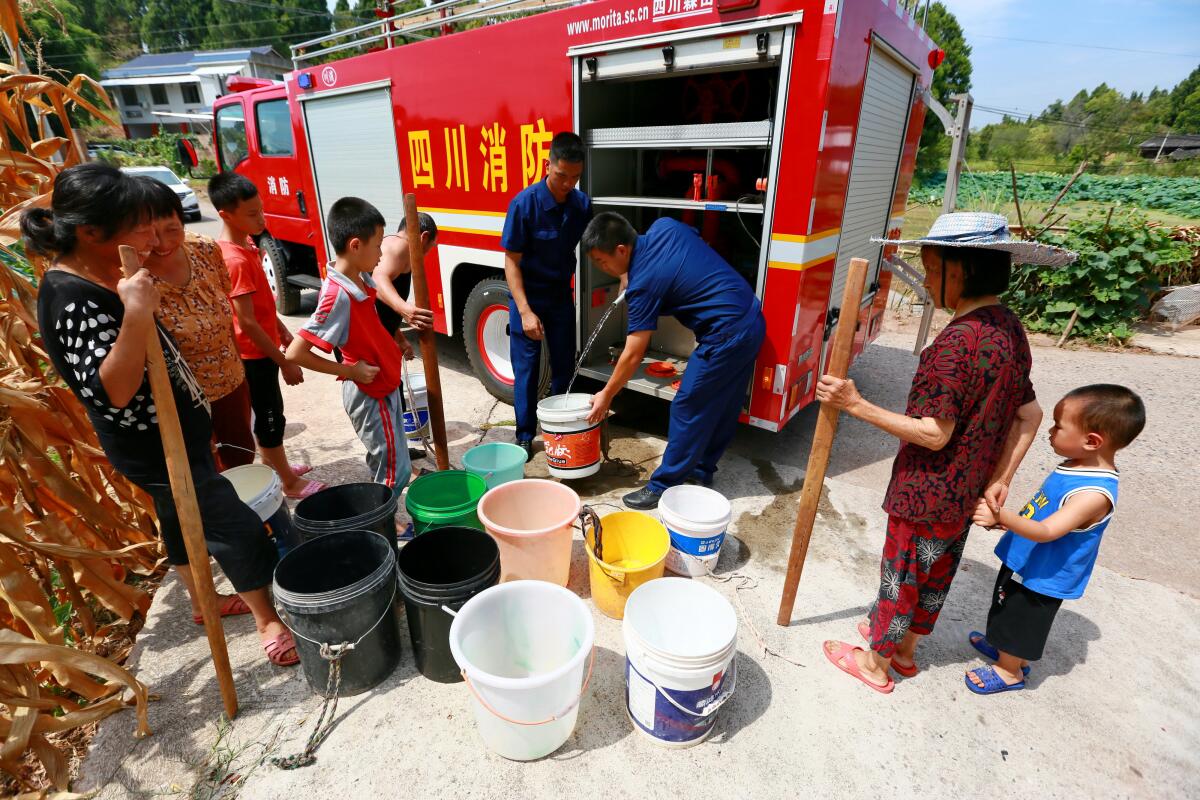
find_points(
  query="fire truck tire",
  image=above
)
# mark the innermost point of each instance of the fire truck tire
(275, 264)
(485, 334)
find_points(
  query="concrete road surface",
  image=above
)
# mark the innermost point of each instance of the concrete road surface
(1106, 713)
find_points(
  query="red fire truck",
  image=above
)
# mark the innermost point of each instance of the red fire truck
(784, 130)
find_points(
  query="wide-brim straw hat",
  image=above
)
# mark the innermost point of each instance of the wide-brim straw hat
(986, 232)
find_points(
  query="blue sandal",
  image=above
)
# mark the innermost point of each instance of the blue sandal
(992, 682)
(985, 648)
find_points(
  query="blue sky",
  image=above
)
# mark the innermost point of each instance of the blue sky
(1027, 76)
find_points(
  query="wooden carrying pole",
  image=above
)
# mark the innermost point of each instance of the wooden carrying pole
(433, 379)
(822, 443)
(184, 492)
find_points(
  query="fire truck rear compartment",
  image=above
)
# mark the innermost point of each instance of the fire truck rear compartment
(696, 147)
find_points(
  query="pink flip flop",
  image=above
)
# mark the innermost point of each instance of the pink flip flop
(311, 488)
(843, 659)
(910, 671)
(300, 469)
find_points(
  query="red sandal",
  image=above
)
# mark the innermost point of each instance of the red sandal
(230, 605)
(278, 648)
(909, 671)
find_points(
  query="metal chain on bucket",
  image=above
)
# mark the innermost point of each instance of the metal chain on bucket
(588, 516)
(333, 653)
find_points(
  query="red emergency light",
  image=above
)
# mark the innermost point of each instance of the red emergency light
(936, 57)
(240, 83)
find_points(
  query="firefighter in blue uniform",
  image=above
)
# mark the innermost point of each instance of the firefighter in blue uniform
(670, 271)
(541, 232)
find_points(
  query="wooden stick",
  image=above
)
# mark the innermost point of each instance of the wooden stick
(1067, 330)
(184, 492)
(822, 443)
(1078, 171)
(1016, 197)
(429, 357)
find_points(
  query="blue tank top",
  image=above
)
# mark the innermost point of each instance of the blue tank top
(1060, 568)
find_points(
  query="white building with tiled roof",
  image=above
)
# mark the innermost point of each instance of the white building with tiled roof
(175, 91)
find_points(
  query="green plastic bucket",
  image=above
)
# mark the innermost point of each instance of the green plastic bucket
(445, 499)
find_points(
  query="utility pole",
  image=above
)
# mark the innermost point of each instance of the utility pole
(958, 131)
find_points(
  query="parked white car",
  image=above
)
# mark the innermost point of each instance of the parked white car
(191, 205)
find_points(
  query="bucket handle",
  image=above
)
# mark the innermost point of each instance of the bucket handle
(554, 717)
(588, 516)
(333, 652)
(711, 708)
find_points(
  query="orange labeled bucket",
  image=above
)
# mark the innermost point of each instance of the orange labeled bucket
(572, 443)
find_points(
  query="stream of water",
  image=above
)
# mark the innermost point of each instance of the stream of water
(592, 339)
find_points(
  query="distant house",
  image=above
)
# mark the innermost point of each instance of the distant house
(175, 91)
(1176, 147)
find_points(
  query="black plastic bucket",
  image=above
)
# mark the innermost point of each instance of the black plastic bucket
(349, 507)
(341, 589)
(443, 567)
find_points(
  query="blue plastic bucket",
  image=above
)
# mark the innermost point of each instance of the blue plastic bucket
(680, 659)
(496, 462)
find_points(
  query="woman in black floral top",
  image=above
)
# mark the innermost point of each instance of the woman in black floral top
(94, 324)
(970, 418)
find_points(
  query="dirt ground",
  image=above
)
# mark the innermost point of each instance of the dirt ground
(1114, 686)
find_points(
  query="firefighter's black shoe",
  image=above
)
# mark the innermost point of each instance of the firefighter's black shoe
(700, 479)
(643, 499)
(527, 446)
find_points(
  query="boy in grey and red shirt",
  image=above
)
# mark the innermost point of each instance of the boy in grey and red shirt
(346, 319)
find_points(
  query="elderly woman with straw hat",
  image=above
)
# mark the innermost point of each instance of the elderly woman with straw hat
(970, 418)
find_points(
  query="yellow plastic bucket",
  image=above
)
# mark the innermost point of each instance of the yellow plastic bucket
(634, 547)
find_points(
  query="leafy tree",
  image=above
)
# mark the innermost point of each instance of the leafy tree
(952, 77)
(60, 45)
(176, 24)
(1187, 119)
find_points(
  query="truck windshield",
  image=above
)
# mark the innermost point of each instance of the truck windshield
(231, 135)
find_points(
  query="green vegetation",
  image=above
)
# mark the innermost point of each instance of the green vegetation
(952, 77)
(1122, 264)
(1179, 196)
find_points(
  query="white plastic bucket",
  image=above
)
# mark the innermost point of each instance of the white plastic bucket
(259, 487)
(680, 667)
(526, 652)
(572, 443)
(416, 420)
(696, 518)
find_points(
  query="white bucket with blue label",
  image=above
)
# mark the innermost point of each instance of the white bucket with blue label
(416, 419)
(680, 660)
(697, 519)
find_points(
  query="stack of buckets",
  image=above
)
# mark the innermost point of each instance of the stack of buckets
(483, 587)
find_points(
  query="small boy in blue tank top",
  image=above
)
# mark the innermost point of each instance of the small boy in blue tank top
(1051, 546)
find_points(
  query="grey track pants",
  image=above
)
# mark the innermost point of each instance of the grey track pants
(380, 426)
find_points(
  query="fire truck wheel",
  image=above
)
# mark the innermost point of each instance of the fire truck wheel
(275, 264)
(485, 334)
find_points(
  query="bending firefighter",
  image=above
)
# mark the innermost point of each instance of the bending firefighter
(540, 235)
(670, 271)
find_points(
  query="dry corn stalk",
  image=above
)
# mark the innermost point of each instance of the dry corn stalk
(72, 529)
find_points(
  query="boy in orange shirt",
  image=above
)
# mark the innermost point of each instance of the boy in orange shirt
(259, 332)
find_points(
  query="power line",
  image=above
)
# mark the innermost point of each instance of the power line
(1087, 46)
(1020, 115)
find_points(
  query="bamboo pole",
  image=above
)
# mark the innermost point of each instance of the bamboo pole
(184, 492)
(818, 454)
(429, 358)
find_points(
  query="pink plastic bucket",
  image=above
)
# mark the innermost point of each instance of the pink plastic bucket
(532, 522)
